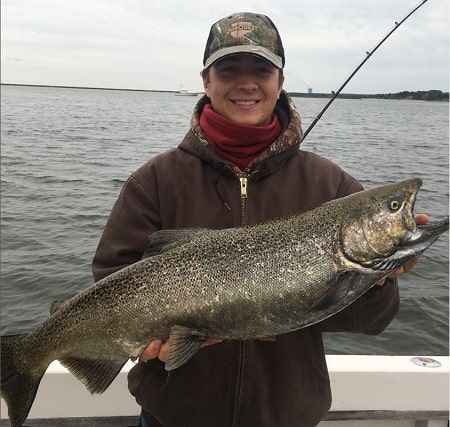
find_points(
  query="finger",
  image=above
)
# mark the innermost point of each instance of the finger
(151, 351)
(164, 351)
(160, 349)
(382, 282)
(422, 219)
(410, 264)
(405, 268)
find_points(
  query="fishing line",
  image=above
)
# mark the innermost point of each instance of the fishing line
(368, 55)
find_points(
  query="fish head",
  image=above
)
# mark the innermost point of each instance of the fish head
(379, 230)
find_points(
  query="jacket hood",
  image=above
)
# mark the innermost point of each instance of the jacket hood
(269, 160)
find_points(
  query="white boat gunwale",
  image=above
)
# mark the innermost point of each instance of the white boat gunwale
(367, 391)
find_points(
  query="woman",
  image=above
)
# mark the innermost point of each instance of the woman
(239, 163)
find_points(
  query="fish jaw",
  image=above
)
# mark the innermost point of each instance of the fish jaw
(416, 243)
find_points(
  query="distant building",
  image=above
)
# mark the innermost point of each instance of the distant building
(310, 90)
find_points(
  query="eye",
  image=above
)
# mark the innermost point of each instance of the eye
(264, 70)
(227, 69)
(394, 205)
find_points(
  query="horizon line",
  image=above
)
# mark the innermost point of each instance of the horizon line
(176, 91)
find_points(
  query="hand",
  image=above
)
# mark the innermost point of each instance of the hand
(160, 349)
(421, 219)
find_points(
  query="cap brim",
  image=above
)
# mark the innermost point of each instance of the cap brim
(245, 49)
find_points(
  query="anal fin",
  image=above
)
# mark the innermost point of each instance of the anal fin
(96, 374)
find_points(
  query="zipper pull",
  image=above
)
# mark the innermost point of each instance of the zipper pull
(243, 181)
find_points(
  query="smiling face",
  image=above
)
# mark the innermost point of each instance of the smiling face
(244, 89)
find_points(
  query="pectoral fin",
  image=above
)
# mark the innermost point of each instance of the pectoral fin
(184, 343)
(344, 290)
(336, 293)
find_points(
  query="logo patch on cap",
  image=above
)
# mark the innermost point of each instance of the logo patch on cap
(240, 29)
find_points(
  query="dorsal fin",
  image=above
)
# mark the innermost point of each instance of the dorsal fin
(56, 305)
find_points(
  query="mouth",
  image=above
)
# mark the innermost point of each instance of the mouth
(244, 103)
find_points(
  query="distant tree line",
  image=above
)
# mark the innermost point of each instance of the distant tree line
(420, 95)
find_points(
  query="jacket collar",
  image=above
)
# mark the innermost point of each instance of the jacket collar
(267, 161)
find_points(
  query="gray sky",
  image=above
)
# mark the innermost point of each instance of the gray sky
(158, 44)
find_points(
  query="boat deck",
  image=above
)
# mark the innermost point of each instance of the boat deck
(333, 419)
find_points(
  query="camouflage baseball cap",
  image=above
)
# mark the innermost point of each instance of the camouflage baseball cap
(247, 33)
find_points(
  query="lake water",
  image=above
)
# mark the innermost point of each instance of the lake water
(65, 154)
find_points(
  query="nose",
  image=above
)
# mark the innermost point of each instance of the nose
(247, 82)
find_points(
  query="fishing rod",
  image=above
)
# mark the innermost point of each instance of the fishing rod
(368, 55)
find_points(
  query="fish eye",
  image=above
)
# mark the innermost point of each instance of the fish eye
(394, 205)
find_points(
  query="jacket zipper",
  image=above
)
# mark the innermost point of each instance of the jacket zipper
(243, 180)
(240, 384)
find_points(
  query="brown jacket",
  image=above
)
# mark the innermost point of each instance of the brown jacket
(248, 383)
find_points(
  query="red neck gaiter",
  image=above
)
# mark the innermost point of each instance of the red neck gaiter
(236, 142)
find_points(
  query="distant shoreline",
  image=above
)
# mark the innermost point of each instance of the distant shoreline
(420, 95)
(427, 95)
(91, 88)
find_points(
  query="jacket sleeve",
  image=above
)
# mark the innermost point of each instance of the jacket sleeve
(134, 216)
(369, 314)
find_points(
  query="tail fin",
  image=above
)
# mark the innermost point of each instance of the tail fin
(18, 384)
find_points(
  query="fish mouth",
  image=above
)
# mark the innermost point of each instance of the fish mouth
(425, 233)
(413, 245)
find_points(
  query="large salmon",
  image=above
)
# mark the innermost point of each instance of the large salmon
(239, 283)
